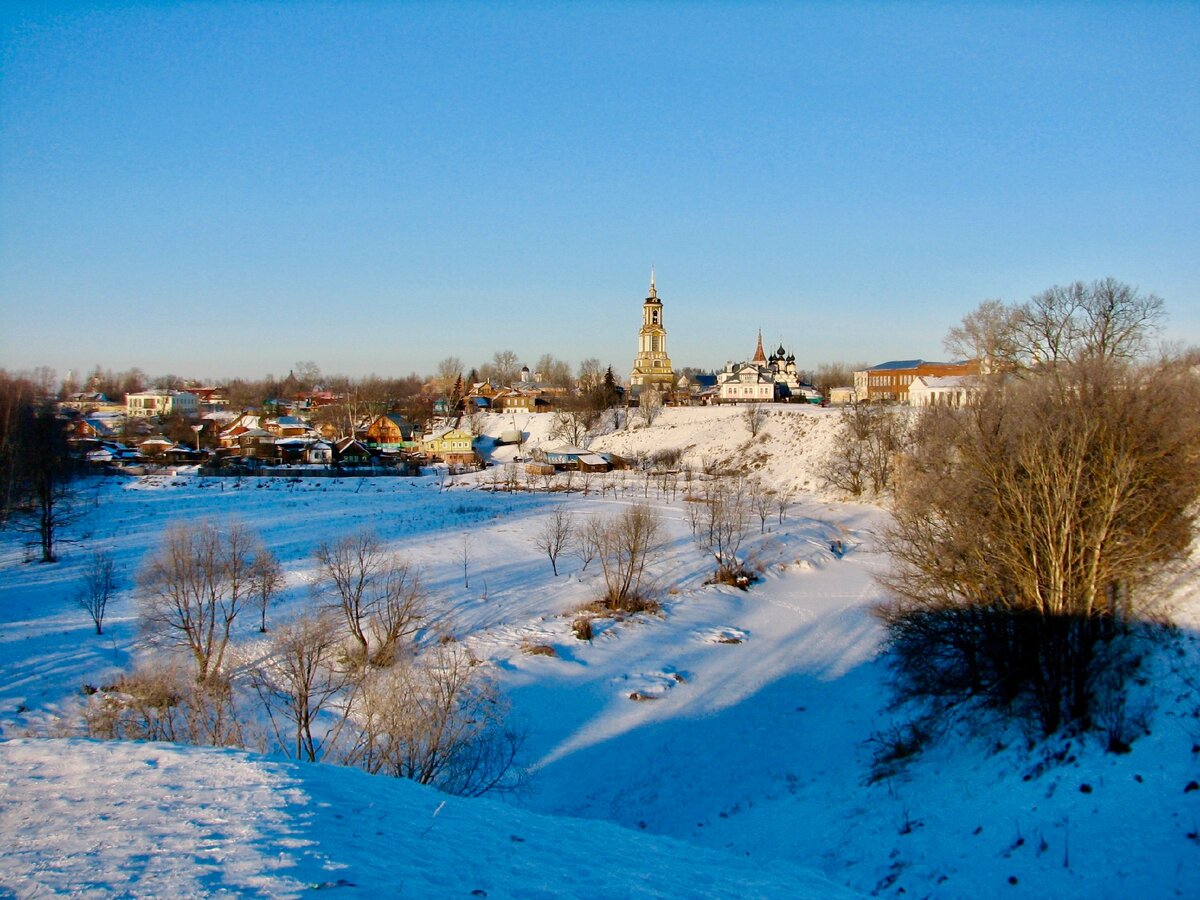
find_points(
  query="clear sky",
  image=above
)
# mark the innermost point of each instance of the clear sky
(219, 189)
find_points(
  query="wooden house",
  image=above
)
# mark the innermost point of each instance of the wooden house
(391, 431)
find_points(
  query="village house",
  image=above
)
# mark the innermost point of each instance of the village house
(235, 429)
(91, 427)
(147, 404)
(391, 431)
(515, 400)
(90, 402)
(696, 390)
(210, 399)
(843, 395)
(351, 452)
(450, 445)
(568, 457)
(287, 427)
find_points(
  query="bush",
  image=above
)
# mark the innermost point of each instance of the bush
(160, 703)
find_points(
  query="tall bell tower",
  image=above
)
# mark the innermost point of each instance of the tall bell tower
(652, 366)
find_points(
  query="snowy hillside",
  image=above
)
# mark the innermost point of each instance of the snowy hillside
(104, 819)
(744, 763)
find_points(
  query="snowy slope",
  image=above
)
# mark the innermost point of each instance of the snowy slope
(129, 819)
(757, 743)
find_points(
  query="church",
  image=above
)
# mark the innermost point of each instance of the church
(652, 366)
(764, 379)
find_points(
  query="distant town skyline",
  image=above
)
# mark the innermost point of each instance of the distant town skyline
(224, 189)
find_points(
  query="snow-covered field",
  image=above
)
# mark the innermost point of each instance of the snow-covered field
(747, 774)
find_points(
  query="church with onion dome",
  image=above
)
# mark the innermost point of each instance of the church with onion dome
(765, 379)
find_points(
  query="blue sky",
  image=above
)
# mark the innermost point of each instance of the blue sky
(225, 189)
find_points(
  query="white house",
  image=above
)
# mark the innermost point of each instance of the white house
(942, 390)
(748, 383)
(160, 403)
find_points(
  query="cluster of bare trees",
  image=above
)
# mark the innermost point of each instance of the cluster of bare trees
(192, 588)
(867, 448)
(721, 511)
(1104, 320)
(350, 680)
(622, 543)
(1034, 527)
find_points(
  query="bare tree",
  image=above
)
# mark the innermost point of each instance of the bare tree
(503, 368)
(307, 374)
(761, 500)
(381, 598)
(554, 372)
(587, 541)
(464, 552)
(299, 680)
(438, 720)
(837, 374)
(1106, 320)
(1117, 320)
(591, 375)
(573, 422)
(869, 441)
(754, 416)
(650, 403)
(266, 580)
(555, 536)
(625, 543)
(783, 500)
(989, 333)
(448, 371)
(99, 584)
(191, 589)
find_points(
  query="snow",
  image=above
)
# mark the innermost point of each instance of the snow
(743, 766)
(135, 819)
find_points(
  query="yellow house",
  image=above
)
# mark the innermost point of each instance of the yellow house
(451, 445)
